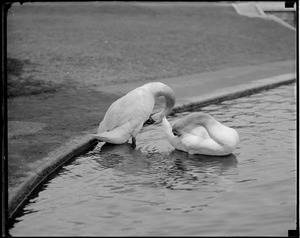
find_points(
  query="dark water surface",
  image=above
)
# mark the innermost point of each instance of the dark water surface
(156, 190)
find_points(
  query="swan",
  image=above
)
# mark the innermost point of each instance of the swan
(126, 116)
(200, 133)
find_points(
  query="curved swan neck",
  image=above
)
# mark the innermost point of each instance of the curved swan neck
(196, 118)
(159, 89)
(167, 128)
(174, 140)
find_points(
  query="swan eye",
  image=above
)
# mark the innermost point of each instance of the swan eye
(175, 133)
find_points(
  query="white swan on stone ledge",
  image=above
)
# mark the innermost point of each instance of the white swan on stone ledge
(200, 133)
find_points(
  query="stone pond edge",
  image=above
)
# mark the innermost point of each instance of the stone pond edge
(81, 144)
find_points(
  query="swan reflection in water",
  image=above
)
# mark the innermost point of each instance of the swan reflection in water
(185, 161)
(174, 170)
(190, 172)
(121, 157)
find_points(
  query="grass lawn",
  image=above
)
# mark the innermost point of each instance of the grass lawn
(63, 45)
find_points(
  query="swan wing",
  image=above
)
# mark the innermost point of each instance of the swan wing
(136, 106)
(226, 137)
(199, 131)
(201, 134)
(199, 145)
(121, 134)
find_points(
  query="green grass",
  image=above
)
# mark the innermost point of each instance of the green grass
(90, 44)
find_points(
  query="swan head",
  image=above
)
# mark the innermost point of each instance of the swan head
(173, 139)
(176, 132)
(159, 89)
(168, 128)
(149, 121)
(157, 117)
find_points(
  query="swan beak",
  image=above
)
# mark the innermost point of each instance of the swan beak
(150, 121)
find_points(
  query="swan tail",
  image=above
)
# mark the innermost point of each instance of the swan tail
(97, 136)
(109, 137)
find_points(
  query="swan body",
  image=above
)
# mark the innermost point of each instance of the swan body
(126, 116)
(200, 133)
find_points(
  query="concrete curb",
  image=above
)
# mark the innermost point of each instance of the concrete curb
(81, 144)
(235, 92)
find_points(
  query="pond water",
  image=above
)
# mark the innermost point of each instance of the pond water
(155, 190)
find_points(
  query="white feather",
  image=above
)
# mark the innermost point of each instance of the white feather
(126, 116)
(200, 133)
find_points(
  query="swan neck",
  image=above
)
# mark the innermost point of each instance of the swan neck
(196, 119)
(167, 129)
(160, 89)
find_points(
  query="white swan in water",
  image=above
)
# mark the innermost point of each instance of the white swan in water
(200, 133)
(126, 116)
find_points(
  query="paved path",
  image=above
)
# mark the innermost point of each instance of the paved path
(194, 87)
(258, 9)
